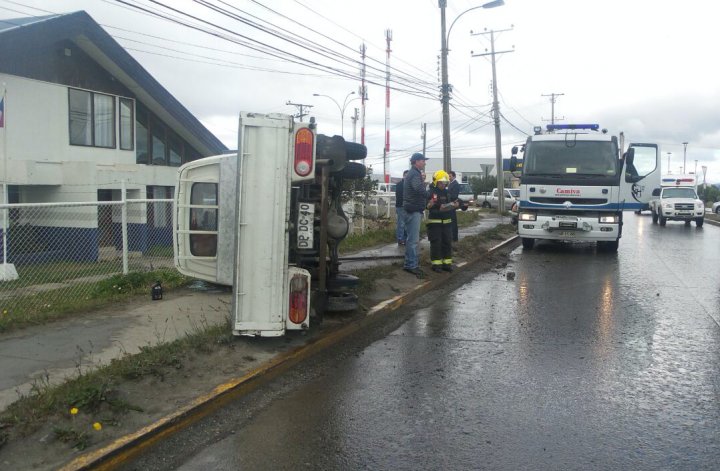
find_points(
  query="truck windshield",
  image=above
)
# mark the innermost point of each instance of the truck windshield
(679, 193)
(571, 158)
(515, 193)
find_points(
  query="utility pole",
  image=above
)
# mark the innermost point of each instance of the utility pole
(669, 154)
(696, 170)
(496, 117)
(423, 129)
(300, 108)
(363, 95)
(685, 144)
(355, 120)
(552, 101)
(447, 165)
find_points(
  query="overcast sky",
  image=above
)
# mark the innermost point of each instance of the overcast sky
(647, 68)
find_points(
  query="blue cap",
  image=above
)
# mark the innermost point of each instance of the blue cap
(417, 156)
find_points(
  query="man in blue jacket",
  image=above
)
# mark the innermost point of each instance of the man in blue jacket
(415, 198)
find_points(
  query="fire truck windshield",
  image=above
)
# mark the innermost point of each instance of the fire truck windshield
(595, 158)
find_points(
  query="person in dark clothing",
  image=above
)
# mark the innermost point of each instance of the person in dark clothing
(401, 233)
(414, 201)
(454, 191)
(439, 224)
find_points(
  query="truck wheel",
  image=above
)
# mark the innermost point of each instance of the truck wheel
(351, 171)
(663, 220)
(342, 282)
(355, 151)
(485, 204)
(699, 222)
(608, 246)
(687, 223)
(528, 243)
(342, 302)
(655, 217)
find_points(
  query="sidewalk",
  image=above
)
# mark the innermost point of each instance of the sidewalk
(56, 351)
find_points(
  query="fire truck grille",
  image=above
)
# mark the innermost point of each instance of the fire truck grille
(551, 200)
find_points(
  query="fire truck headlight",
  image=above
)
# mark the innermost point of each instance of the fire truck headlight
(528, 217)
(610, 219)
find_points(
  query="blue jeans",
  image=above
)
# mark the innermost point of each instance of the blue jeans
(401, 232)
(412, 226)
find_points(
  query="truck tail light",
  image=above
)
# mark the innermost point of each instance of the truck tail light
(304, 152)
(298, 299)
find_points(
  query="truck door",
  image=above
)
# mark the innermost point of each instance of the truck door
(640, 175)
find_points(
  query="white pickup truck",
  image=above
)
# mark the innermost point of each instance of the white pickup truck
(491, 200)
(677, 200)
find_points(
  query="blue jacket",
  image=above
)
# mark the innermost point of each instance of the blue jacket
(415, 195)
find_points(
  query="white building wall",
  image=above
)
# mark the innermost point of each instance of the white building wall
(36, 144)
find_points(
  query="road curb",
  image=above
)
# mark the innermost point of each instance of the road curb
(712, 222)
(123, 449)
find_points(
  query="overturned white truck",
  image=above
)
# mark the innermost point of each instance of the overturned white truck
(268, 222)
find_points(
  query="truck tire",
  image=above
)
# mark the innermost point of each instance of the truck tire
(351, 171)
(355, 151)
(608, 246)
(485, 204)
(528, 243)
(342, 302)
(699, 222)
(663, 220)
(687, 223)
(654, 217)
(342, 282)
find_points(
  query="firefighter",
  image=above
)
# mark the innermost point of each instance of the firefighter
(439, 223)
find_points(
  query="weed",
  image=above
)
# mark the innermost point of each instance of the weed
(79, 440)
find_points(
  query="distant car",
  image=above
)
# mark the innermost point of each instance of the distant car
(467, 196)
(386, 188)
(716, 208)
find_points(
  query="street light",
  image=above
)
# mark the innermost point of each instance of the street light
(685, 144)
(445, 86)
(341, 108)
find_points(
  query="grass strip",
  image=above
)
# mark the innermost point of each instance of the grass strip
(48, 306)
(93, 393)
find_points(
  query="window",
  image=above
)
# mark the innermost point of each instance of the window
(158, 144)
(92, 119)
(203, 219)
(141, 139)
(175, 151)
(160, 214)
(126, 124)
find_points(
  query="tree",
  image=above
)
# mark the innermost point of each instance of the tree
(481, 185)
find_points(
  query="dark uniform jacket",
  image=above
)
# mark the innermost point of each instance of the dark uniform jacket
(437, 198)
(414, 194)
(399, 193)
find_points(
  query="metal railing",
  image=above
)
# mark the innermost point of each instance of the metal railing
(54, 252)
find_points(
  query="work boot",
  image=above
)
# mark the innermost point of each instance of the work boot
(437, 269)
(447, 267)
(415, 271)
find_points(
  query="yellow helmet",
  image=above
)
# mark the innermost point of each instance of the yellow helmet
(440, 176)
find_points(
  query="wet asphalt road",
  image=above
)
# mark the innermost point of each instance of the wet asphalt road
(585, 361)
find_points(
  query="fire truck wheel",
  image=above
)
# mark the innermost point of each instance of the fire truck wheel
(341, 302)
(608, 246)
(342, 282)
(528, 243)
(352, 171)
(355, 151)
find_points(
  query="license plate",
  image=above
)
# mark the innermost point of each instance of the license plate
(305, 226)
(684, 213)
(567, 234)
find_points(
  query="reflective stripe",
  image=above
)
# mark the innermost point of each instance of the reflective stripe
(437, 262)
(447, 261)
(447, 221)
(434, 221)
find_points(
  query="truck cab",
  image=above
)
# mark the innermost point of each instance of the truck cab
(268, 222)
(575, 184)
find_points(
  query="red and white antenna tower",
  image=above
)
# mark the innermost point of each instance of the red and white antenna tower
(363, 95)
(388, 37)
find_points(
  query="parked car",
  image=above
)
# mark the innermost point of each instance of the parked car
(386, 188)
(716, 208)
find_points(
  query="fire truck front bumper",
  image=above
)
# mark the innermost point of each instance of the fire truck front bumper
(560, 227)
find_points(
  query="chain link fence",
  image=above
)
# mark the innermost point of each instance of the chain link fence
(61, 251)
(367, 213)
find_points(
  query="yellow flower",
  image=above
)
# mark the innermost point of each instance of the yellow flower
(4, 312)
(97, 426)
(74, 411)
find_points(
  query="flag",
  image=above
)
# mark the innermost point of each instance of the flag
(2, 112)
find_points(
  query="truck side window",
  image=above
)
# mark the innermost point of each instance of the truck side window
(644, 164)
(203, 219)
